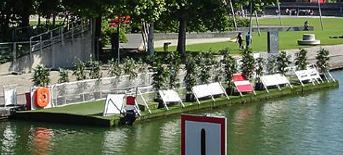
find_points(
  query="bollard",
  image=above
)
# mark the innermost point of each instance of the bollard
(165, 46)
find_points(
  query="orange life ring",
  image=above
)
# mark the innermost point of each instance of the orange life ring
(42, 97)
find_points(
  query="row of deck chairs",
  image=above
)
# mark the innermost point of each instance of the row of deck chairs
(242, 85)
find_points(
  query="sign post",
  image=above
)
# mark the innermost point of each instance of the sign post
(203, 135)
(116, 23)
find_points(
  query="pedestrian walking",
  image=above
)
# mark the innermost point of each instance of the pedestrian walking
(239, 40)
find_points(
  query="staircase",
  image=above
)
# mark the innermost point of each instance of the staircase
(59, 47)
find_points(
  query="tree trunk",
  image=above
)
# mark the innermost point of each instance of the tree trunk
(151, 49)
(25, 20)
(38, 20)
(53, 20)
(181, 42)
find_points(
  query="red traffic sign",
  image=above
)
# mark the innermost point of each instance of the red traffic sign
(119, 20)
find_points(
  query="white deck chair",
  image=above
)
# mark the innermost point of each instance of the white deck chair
(304, 75)
(201, 91)
(114, 104)
(169, 96)
(217, 89)
(314, 74)
(10, 97)
(274, 80)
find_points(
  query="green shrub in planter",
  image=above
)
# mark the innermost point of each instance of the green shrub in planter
(282, 62)
(205, 63)
(248, 63)
(301, 60)
(191, 76)
(271, 64)
(41, 76)
(63, 76)
(260, 62)
(130, 68)
(230, 68)
(79, 70)
(174, 62)
(323, 60)
(115, 69)
(94, 69)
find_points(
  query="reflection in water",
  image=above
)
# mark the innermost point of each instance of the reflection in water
(8, 139)
(170, 134)
(42, 140)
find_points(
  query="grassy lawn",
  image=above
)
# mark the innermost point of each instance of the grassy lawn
(287, 40)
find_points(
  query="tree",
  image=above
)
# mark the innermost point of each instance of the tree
(259, 68)
(41, 76)
(199, 14)
(301, 60)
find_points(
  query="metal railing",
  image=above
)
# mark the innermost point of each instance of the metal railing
(58, 35)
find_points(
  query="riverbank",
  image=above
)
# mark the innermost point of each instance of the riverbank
(91, 113)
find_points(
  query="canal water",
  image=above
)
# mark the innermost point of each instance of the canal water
(309, 124)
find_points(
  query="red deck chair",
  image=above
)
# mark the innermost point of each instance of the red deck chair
(242, 84)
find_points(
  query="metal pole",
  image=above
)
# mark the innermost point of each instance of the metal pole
(279, 10)
(41, 44)
(118, 38)
(15, 56)
(250, 25)
(257, 24)
(320, 14)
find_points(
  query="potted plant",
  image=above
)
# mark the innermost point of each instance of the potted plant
(159, 77)
(174, 65)
(259, 72)
(116, 70)
(282, 62)
(205, 63)
(41, 76)
(63, 76)
(190, 78)
(79, 70)
(271, 64)
(230, 67)
(248, 63)
(301, 60)
(130, 68)
(323, 61)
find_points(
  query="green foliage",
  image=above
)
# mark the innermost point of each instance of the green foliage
(63, 76)
(301, 60)
(271, 64)
(206, 61)
(115, 69)
(248, 63)
(41, 76)
(94, 69)
(79, 70)
(160, 76)
(191, 73)
(130, 68)
(260, 62)
(323, 60)
(174, 62)
(230, 65)
(282, 62)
